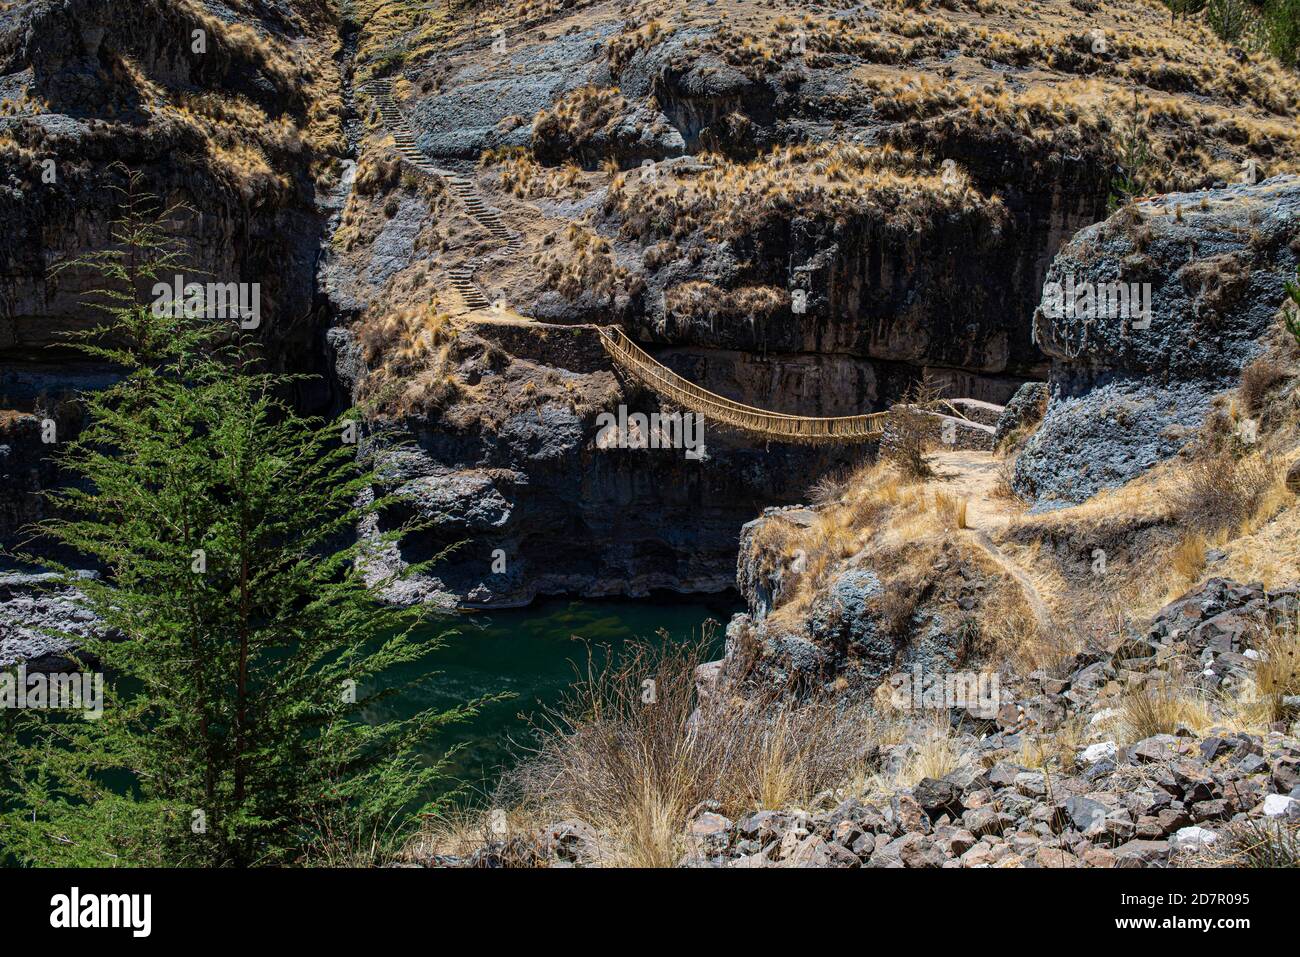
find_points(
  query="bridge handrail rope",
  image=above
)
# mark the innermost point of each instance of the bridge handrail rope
(744, 417)
(633, 354)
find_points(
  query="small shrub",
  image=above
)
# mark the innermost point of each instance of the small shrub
(910, 432)
(828, 489)
(1281, 28)
(1220, 492)
(1228, 19)
(1184, 8)
(1134, 158)
(1258, 379)
(951, 510)
(1159, 708)
(1292, 313)
(1277, 672)
(1269, 844)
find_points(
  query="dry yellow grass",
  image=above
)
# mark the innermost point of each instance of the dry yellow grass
(1161, 707)
(520, 175)
(951, 511)
(409, 353)
(1187, 561)
(634, 768)
(1277, 672)
(1055, 749)
(581, 261)
(938, 754)
(1011, 635)
(901, 530)
(727, 199)
(459, 833)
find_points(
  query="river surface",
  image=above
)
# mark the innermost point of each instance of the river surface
(536, 653)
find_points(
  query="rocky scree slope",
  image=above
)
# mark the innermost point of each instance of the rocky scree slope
(1061, 771)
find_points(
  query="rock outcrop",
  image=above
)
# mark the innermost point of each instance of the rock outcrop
(41, 619)
(215, 110)
(862, 624)
(1128, 390)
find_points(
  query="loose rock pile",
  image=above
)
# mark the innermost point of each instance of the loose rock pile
(1164, 800)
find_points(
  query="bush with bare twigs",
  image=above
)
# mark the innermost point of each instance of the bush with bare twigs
(1258, 379)
(1269, 844)
(1220, 491)
(910, 431)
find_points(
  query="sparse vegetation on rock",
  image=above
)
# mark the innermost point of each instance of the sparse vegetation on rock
(1038, 257)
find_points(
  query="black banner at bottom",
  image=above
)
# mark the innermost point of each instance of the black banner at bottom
(339, 906)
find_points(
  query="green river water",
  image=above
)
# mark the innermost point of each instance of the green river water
(536, 653)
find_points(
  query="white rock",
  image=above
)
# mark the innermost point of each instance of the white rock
(1283, 806)
(1105, 714)
(790, 840)
(1106, 751)
(1252, 654)
(1192, 838)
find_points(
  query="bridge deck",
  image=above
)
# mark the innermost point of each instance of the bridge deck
(774, 425)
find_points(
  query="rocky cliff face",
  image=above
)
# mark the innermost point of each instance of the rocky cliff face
(834, 206)
(542, 500)
(1126, 390)
(804, 214)
(222, 111)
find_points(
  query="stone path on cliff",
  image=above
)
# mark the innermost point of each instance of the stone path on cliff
(973, 476)
(461, 187)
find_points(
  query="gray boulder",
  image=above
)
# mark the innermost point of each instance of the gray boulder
(1130, 385)
(41, 620)
(1025, 408)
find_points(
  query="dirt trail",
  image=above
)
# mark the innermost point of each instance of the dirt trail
(974, 477)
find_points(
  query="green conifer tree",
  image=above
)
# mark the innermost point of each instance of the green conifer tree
(244, 643)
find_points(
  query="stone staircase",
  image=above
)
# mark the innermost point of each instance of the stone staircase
(464, 190)
(460, 187)
(462, 282)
